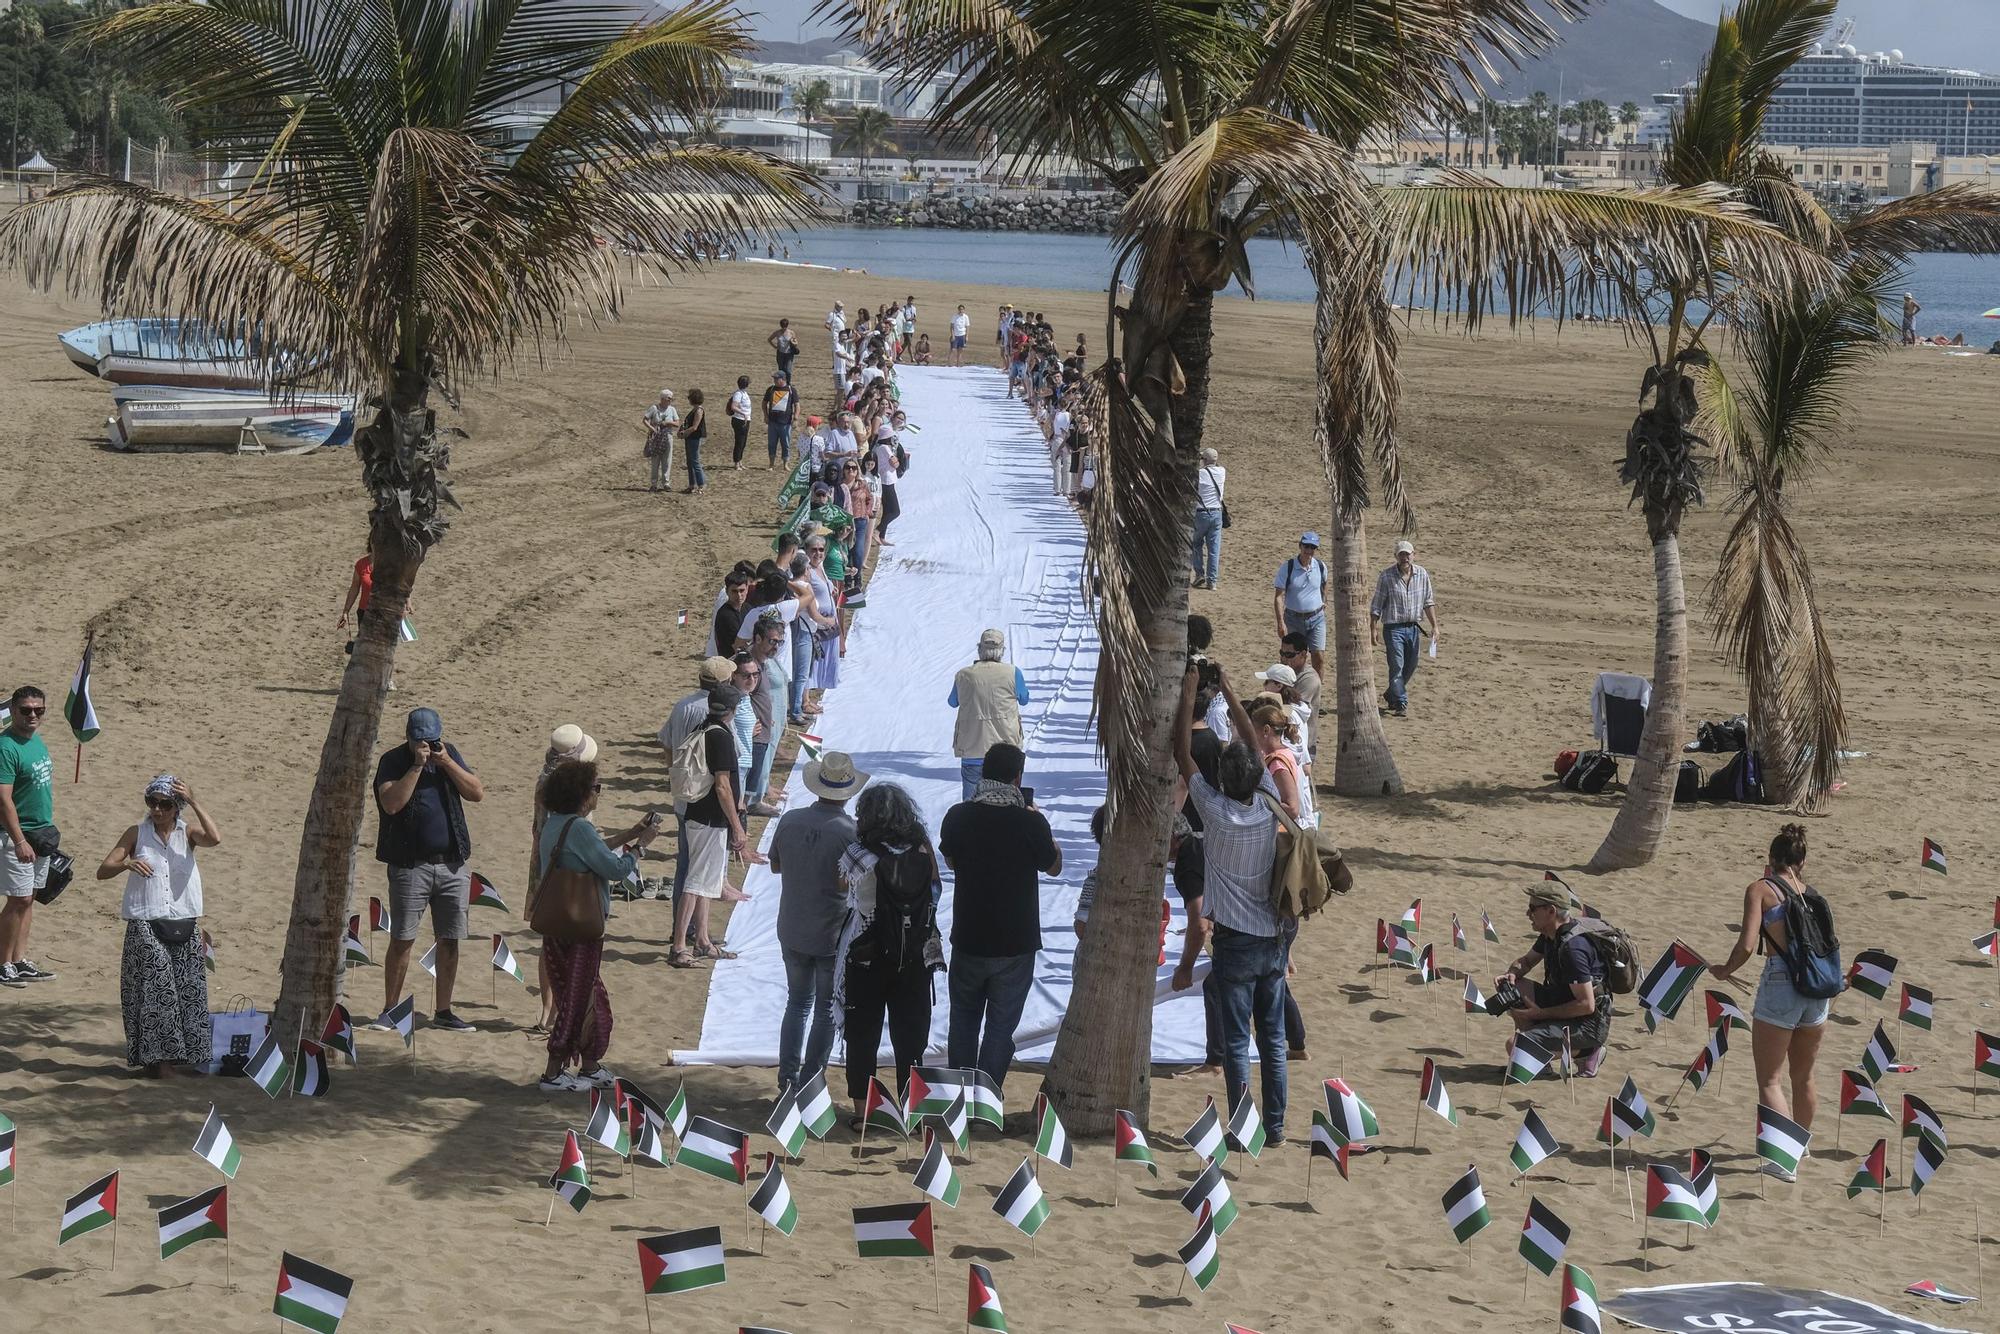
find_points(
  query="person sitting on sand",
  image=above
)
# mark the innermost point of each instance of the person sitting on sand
(923, 357)
(1572, 1002)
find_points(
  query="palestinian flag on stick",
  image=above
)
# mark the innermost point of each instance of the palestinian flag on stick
(1650, 1017)
(78, 711)
(1051, 1140)
(1701, 1175)
(716, 1150)
(1021, 1203)
(309, 1296)
(1544, 1238)
(429, 961)
(402, 1016)
(1920, 1121)
(1352, 1119)
(1928, 1158)
(645, 1132)
(1200, 1254)
(378, 916)
(203, 1217)
(352, 951)
(1859, 1098)
(1427, 965)
(1528, 1060)
(882, 1111)
(216, 1146)
(1671, 1196)
(1402, 949)
(7, 1133)
(208, 953)
(1721, 1007)
(1988, 944)
(985, 1100)
(1474, 1002)
(982, 1300)
(930, 1092)
(1915, 1009)
(1532, 1143)
(1210, 1191)
(1579, 1310)
(811, 746)
(935, 1176)
(483, 895)
(1486, 925)
(1670, 979)
(1780, 1139)
(1626, 1115)
(888, 1230)
(309, 1076)
(1985, 1055)
(504, 960)
(91, 1208)
(607, 1123)
(1873, 1173)
(338, 1035)
(1465, 1207)
(815, 1105)
(1326, 1144)
(1381, 936)
(1431, 1092)
(772, 1200)
(572, 1179)
(1929, 1288)
(677, 1112)
(1703, 1064)
(1413, 917)
(267, 1066)
(1205, 1135)
(786, 1125)
(1458, 934)
(1879, 1056)
(1871, 972)
(955, 1124)
(1933, 858)
(681, 1261)
(1130, 1143)
(639, 1105)
(1246, 1126)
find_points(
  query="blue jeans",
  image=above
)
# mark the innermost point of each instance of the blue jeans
(808, 993)
(1207, 552)
(1249, 976)
(987, 997)
(1401, 643)
(802, 656)
(696, 477)
(778, 440)
(761, 755)
(969, 774)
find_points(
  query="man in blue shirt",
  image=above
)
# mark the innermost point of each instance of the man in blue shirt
(420, 791)
(1298, 599)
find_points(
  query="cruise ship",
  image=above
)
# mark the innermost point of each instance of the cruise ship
(1840, 97)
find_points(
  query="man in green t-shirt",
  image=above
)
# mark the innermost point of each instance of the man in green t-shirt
(27, 817)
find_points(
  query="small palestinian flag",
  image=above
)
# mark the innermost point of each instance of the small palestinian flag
(607, 1123)
(267, 1067)
(930, 1092)
(483, 895)
(1633, 1116)
(1780, 1139)
(677, 1112)
(352, 951)
(378, 916)
(338, 1035)
(645, 1132)
(1352, 1119)
(1871, 972)
(1532, 1143)
(1326, 1144)
(815, 1105)
(1427, 971)
(1928, 1288)
(1671, 1196)
(402, 1016)
(681, 1261)
(1130, 1143)
(714, 1149)
(955, 1123)
(1650, 1017)
(1474, 1002)
(1670, 979)
(888, 1230)
(982, 1300)
(1879, 1056)
(786, 1125)
(1933, 858)
(1210, 1191)
(1465, 1207)
(1458, 935)
(935, 1176)
(1020, 1201)
(1915, 1009)
(309, 1296)
(1703, 1065)
(1579, 1310)
(1701, 1175)
(1859, 1098)
(216, 1146)
(572, 1179)
(1205, 1135)
(1721, 1007)
(78, 711)
(984, 1099)
(1200, 1253)
(1051, 1140)
(681, 617)
(429, 961)
(882, 1111)
(1873, 1173)
(1544, 1238)
(639, 1105)
(1486, 925)
(309, 1075)
(1924, 1164)
(1920, 1121)
(1413, 917)
(810, 746)
(504, 960)
(1402, 949)
(772, 1200)
(91, 1208)
(1528, 1060)
(7, 1133)
(203, 1217)
(1985, 1055)
(1381, 936)
(208, 954)
(1988, 944)
(1431, 1092)
(1246, 1126)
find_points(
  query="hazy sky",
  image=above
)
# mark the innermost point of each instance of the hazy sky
(1953, 32)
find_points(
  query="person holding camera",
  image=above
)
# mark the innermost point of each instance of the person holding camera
(421, 788)
(28, 812)
(1573, 1000)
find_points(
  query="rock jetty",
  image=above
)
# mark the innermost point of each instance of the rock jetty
(1082, 213)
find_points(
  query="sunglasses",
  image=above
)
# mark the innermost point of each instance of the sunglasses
(1291, 653)
(29, 711)
(160, 803)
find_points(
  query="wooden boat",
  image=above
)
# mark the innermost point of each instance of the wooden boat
(181, 372)
(235, 422)
(156, 339)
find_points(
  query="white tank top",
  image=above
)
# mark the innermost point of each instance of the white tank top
(174, 888)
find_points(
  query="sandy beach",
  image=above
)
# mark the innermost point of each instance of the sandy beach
(213, 584)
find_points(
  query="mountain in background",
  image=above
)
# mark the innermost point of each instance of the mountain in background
(1626, 49)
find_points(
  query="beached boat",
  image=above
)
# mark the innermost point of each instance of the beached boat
(292, 426)
(156, 339)
(183, 372)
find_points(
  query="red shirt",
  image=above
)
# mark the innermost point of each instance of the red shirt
(364, 570)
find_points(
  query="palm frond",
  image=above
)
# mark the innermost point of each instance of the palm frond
(1716, 130)
(1360, 385)
(1775, 194)
(1964, 218)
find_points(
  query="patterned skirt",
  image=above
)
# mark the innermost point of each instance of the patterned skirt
(825, 660)
(165, 997)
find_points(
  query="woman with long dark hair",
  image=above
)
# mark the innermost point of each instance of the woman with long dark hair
(890, 946)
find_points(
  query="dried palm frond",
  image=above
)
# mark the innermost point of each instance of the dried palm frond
(1360, 385)
(1964, 218)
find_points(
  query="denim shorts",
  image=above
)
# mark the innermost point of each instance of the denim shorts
(1311, 624)
(1780, 1005)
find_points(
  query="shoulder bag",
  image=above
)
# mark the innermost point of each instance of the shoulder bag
(1218, 496)
(569, 904)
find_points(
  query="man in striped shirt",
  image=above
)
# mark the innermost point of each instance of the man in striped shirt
(1248, 945)
(1402, 599)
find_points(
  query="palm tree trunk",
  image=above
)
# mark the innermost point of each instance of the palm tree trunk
(1363, 766)
(1641, 825)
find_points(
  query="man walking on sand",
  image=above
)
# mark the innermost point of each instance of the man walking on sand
(961, 325)
(28, 811)
(421, 788)
(1402, 599)
(1298, 598)
(812, 908)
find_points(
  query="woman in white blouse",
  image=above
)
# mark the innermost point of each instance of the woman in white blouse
(164, 987)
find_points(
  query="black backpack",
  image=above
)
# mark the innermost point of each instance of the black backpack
(1592, 772)
(1741, 780)
(1812, 950)
(1688, 782)
(903, 908)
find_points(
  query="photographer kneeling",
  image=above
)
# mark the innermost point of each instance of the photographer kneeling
(1574, 999)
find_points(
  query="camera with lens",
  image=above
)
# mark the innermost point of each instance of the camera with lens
(1506, 997)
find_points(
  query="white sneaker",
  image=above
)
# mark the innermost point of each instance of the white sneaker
(562, 1082)
(7, 978)
(600, 1078)
(1778, 1170)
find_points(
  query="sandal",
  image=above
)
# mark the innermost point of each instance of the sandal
(680, 959)
(713, 952)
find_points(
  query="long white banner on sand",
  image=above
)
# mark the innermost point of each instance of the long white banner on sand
(983, 541)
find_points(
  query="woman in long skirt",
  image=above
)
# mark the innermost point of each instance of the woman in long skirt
(826, 601)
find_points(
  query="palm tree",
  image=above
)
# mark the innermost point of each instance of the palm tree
(868, 135)
(810, 102)
(1628, 117)
(388, 234)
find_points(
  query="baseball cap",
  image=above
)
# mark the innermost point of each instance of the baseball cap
(1308, 539)
(714, 671)
(1548, 894)
(1402, 547)
(992, 639)
(724, 699)
(1279, 674)
(424, 725)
